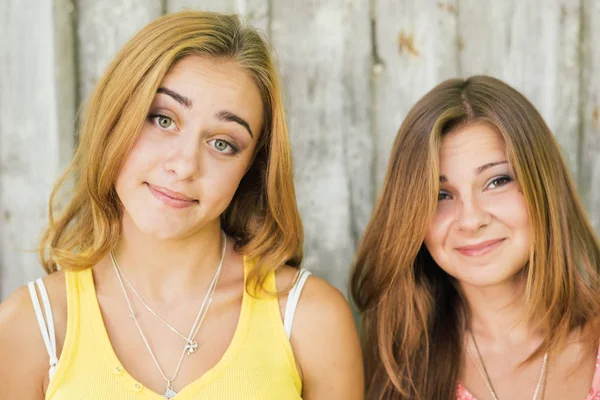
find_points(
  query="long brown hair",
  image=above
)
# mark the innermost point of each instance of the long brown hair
(262, 218)
(413, 316)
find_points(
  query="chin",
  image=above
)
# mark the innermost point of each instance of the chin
(161, 229)
(490, 275)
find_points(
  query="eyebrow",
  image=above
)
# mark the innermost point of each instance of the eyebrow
(231, 117)
(222, 115)
(489, 165)
(184, 101)
(480, 169)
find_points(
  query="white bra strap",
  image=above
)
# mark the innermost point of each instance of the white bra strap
(46, 326)
(292, 301)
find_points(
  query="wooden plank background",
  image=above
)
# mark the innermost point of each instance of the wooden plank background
(351, 69)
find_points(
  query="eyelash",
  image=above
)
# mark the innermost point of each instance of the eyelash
(504, 179)
(442, 193)
(154, 119)
(234, 150)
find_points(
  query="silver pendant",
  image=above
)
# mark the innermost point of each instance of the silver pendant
(169, 392)
(191, 347)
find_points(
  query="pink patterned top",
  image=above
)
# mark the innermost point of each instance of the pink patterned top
(594, 394)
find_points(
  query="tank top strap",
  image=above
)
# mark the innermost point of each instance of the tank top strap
(258, 364)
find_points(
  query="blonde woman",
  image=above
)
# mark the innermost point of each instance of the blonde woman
(179, 249)
(478, 273)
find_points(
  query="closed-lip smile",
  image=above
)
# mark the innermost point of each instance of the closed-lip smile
(170, 197)
(479, 248)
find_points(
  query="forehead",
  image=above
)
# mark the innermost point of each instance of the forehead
(210, 71)
(215, 85)
(473, 145)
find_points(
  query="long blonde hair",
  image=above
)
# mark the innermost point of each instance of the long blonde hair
(262, 218)
(413, 316)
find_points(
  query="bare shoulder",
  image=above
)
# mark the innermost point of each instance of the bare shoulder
(316, 292)
(322, 307)
(319, 301)
(325, 342)
(23, 355)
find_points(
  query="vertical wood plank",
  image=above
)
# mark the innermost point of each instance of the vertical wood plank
(533, 46)
(590, 150)
(416, 48)
(222, 6)
(37, 105)
(255, 12)
(104, 27)
(324, 53)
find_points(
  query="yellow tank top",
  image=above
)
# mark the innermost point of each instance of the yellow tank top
(258, 365)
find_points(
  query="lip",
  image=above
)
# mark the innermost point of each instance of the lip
(479, 249)
(171, 198)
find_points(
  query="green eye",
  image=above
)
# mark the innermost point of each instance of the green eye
(221, 145)
(164, 122)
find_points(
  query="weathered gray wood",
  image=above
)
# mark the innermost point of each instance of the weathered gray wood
(37, 105)
(590, 150)
(104, 27)
(533, 46)
(223, 6)
(346, 94)
(255, 12)
(416, 48)
(324, 54)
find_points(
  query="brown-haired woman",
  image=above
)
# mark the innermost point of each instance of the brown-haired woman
(478, 273)
(181, 228)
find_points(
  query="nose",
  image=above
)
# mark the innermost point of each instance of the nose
(183, 158)
(471, 215)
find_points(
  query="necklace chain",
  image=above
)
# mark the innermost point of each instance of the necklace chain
(161, 319)
(488, 382)
(190, 345)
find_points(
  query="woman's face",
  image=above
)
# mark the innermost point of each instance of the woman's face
(481, 232)
(194, 148)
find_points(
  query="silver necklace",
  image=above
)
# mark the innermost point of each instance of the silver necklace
(191, 344)
(488, 382)
(169, 391)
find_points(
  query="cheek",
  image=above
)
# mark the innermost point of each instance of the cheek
(135, 168)
(140, 155)
(436, 235)
(223, 178)
(438, 229)
(513, 213)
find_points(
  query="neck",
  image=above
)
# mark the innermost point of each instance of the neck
(167, 270)
(497, 313)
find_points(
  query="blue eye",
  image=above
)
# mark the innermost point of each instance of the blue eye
(499, 181)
